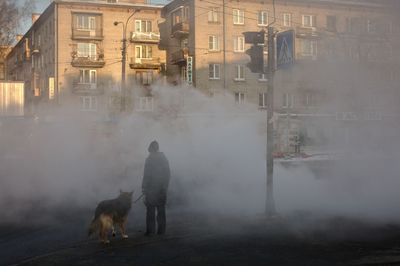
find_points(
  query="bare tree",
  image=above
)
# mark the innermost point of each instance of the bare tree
(12, 15)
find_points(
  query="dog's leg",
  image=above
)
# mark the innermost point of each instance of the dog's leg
(113, 231)
(122, 226)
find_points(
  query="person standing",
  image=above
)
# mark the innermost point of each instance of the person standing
(155, 184)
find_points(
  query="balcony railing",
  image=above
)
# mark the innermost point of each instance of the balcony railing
(180, 30)
(86, 34)
(145, 63)
(87, 88)
(178, 57)
(306, 32)
(145, 37)
(93, 61)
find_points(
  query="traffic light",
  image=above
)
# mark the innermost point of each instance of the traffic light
(256, 53)
(254, 37)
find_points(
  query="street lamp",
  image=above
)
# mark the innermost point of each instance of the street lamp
(123, 84)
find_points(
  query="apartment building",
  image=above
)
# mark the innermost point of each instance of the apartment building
(337, 43)
(4, 50)
(71, 56)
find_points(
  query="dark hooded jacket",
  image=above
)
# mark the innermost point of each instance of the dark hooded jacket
(156, 179)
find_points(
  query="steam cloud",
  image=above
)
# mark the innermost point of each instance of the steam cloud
(217, 157)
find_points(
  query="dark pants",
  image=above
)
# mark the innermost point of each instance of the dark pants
(151, 219)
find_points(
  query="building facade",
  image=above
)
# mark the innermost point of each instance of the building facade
(71, 56)
(342, 49)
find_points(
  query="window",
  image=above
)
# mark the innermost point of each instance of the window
(238, 44)
(51, 88)
(309, 48)
(146, 104)
(88, 103)
(239, 69)
(288, 100)
(87, 50)
(239, 97)
(180, 15)
(262, 18)
(262, 100)
(355, 25)
(213, 14)
(213, 43)
(372, 26)
(238, 16)
(262, 77)
(145, 77)
(2, 71)
(85, 22)
(287, 20)
(214, 71)
(331, 23)
(87, 76)
(143, 26)
(309, 100)
(143, 51)
(309, 21)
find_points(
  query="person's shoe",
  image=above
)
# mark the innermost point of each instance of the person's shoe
(160, 233)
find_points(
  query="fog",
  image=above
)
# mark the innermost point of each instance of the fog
(217, 156)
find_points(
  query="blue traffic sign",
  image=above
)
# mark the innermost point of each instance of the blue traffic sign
(285, 49)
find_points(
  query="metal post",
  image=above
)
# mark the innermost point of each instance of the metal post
(124, 94)
(123, 84)
(270, 203)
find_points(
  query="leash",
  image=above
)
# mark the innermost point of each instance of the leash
(138, 198)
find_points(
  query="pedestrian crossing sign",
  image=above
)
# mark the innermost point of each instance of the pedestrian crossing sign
(285, 49)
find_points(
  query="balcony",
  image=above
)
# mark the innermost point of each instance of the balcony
(180, 30)
(87, 89)
(178, 57)
(96, 61)
(145, 37)
(306, 32)
(86, 34)
(145, 63)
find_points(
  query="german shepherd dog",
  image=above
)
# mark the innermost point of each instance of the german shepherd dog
(109, 213)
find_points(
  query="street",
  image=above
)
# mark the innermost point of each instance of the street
(205, 239)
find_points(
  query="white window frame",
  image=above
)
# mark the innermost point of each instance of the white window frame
(262, 100)
(91, 79)
(145, 26)
(263, 18)
(87, 50)
(312, 50)
(238, 16)
(287, 19)
(239, 97)
(85, 22)
(288, 100)
(213, 14)
(238, 44)
(240, 73)
(88, 103)
(213, 43)
(146, 104)
(262, 77)
(143, 52)
(312, 21)
(214, 71)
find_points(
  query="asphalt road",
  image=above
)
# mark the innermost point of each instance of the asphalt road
(199, 239)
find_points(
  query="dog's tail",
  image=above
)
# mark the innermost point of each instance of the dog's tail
(93, 226)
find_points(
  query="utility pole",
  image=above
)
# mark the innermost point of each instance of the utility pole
(123, 67)
(270, 203)
(123, 83)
